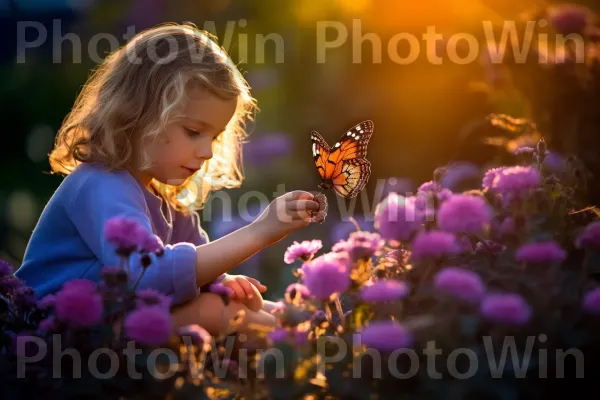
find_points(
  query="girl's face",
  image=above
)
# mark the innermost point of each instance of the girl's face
(188, 142)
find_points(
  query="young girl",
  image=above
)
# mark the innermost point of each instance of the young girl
(162, 115)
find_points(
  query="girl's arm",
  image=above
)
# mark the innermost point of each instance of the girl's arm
(284, 215)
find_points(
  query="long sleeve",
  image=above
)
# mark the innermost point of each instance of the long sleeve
(101, 198)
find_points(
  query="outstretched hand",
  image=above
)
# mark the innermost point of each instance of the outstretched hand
(287, 213)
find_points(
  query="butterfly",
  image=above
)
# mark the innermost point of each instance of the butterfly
(344, 167)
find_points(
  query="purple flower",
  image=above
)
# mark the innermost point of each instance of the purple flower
(198, 334)
(460, 283)
(10, 284)
(397, 218)
(465, 214)
(360, 245)
(78, 306)
(300, 336)
(151, 297)
(296, 293)
(326, 275)
(590, 237)
(386, 336)
(303, 251)
(279, 335)
(554, 162)
(125, 233)
(434, 244)
(24, 297)
(430, 193)
(509, 308)
(152, 244)
(541, 253)
(489, 246)
(148, 325)
(430, 186)
(516, 179)
(220, 289)
(569, 18)
(591, 301)
(489, 177)
(47, 302)
(5, 269)
(383, 290)
(84, 285)
(47, 325)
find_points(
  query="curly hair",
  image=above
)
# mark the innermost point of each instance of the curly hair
(133, 95)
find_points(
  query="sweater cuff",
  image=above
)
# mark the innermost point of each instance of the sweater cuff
(184, 273)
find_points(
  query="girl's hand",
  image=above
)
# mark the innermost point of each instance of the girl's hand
(243, 286)
(246, 290)
(285, 214)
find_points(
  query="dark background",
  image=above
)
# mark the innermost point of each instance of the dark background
(424, 114)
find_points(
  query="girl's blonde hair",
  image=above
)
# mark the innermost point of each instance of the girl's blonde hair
(132, 96)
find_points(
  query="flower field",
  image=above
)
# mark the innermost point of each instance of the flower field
(448, 292)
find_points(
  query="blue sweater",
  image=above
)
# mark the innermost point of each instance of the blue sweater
(68, 241)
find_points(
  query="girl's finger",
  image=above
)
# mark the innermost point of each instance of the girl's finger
(257, 284)
(246, 286)
(237, 289)
(304, 205)
(299, 195)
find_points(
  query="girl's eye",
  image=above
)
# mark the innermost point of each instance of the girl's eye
(192, 133)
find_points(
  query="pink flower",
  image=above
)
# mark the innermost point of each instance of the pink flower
(460, 283)
(296, 293)
(360, 245)
(152, 244)
(509, 308)
(397, 218)
(326, 275)
(78, 306)
(302, 251)
(149, 325)
(463, 213)
(46, 302)
(516, 179)
(125, 233)
(383, 290)
(489, 177)
(385, 336)
(590, 237)
(434, 245)
(541, 253)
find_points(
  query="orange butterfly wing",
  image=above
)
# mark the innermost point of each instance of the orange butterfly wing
(344, 166)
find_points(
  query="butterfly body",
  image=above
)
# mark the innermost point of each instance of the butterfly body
(344, 167)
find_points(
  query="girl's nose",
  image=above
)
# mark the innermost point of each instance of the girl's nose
(204, 152)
